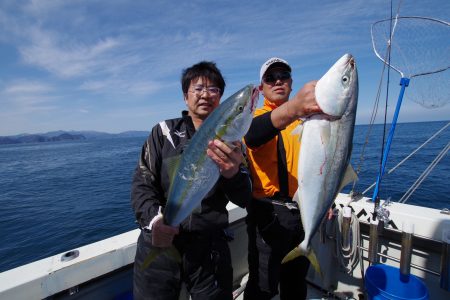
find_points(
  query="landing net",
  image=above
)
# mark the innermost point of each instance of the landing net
(418, 48)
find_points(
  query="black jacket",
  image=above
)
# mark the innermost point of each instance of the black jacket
(151, 182)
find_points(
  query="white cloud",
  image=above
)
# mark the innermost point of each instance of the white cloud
(27, 87)
(145, 88)
(25, 97)
(93, 56)
(122, 86)
(67, 58)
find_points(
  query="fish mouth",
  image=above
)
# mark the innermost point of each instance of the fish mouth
(351, 61)
(254, 98)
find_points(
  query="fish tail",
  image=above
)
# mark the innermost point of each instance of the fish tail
(294, 253)
(310, 255)
(171, 252)
(314, 262)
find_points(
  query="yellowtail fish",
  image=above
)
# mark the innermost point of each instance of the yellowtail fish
(196, 174)
(326, 146)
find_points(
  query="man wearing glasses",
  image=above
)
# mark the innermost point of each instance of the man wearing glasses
(205, 265)
(273, 221)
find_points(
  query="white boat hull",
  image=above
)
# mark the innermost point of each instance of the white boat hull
(98, 265)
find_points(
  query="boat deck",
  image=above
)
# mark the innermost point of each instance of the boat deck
(103, 270)
(314, 293)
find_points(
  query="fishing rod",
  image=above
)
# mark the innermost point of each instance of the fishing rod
(375, 197)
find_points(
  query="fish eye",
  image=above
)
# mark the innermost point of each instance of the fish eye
(240, 108)
(345, 79)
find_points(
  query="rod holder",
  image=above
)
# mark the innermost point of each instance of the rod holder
(406, 251)
(445, 260)
(373, 242)
(346, 220)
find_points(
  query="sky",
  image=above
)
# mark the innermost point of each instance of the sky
(115, 65)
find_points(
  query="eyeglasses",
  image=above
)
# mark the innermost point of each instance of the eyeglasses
(275, 76)
(199, 89)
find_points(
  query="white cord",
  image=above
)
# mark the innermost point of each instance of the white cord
(348, 258)
(411, 154)
(424, 175)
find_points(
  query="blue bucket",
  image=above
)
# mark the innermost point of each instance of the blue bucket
(384, 282)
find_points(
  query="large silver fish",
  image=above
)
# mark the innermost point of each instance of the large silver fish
(326, 146)
(196, 173)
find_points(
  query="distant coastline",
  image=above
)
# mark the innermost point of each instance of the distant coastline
(61, 135)
(57, 136)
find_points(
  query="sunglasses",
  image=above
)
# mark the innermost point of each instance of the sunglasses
(275, 76)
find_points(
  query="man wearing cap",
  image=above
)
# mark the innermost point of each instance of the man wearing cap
(273, 222)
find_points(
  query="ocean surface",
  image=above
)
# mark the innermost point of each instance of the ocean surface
(58, 196)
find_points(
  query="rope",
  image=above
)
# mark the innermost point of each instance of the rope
(424, 175)
(372, 121)
(348, 258)
(411, 154)
(387, 56)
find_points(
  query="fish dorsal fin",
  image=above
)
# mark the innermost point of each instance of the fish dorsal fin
(349, 176)
(298, 131)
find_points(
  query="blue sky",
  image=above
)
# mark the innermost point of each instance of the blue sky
(115, 65)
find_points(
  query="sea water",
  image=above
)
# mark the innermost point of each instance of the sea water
(58, 196)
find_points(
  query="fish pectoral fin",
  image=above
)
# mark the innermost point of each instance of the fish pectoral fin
(221, 130)
(349, 176)
(298, 131)
(155, 252)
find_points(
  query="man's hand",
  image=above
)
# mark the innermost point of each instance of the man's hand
(162, 235)
(304, 102)
(227, 157)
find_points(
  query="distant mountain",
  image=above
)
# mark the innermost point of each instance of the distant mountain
(105, 135)
(38, 138)
(61, 135)
(133, 133)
